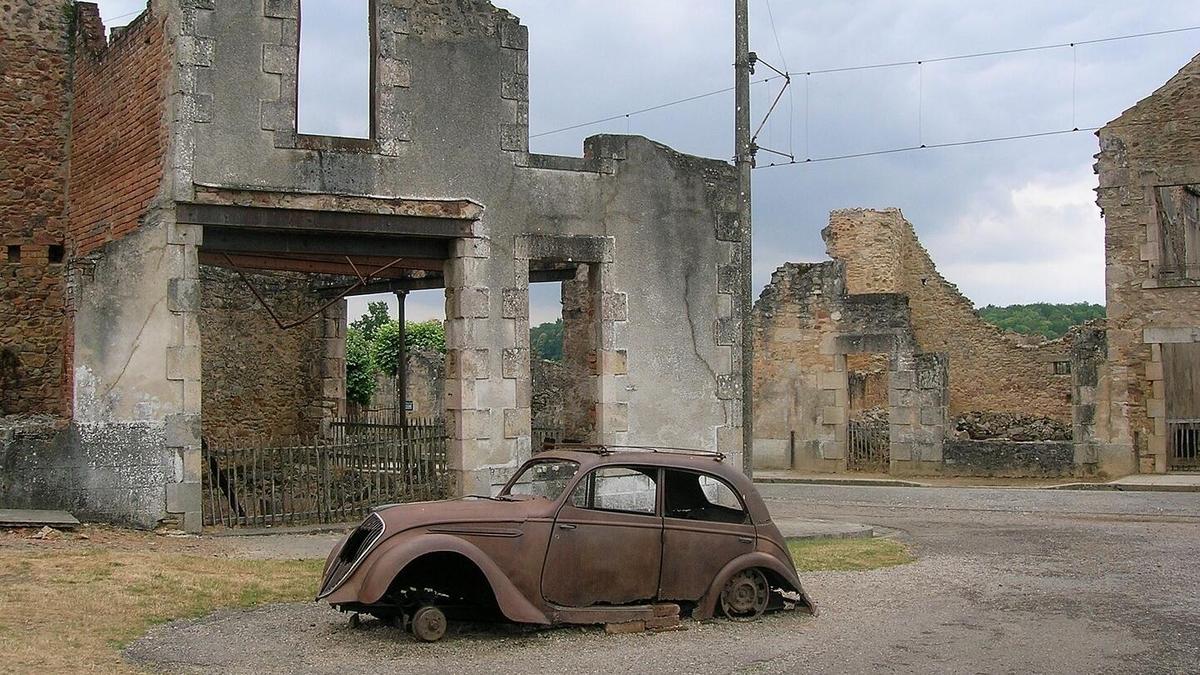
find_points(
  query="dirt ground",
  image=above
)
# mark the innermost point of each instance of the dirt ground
(69, 601)
(1019, 581)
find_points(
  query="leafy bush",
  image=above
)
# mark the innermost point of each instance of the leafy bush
(419, 335)
(1045, 319)
(546, 341)
(360, 369)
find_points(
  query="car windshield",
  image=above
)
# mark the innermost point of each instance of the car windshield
(543, 478)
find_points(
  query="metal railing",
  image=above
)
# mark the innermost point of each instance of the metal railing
(333, 477)
(1183, 444)
(868, 447)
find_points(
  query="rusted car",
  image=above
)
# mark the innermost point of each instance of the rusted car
(585, 535)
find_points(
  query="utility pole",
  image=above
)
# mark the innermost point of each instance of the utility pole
(744, 159)
(401, 402)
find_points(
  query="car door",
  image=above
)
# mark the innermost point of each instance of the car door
(606, 545)
(705, 526)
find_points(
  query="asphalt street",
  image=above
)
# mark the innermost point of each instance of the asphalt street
(1006, 581)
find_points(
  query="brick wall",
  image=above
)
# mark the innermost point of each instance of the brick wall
(990, 369)
(118, 134)
(34, 101)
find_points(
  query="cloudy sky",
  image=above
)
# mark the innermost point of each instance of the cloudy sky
(1008, 222)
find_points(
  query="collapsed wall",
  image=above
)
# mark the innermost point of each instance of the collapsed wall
(862, 363)
(990, 369)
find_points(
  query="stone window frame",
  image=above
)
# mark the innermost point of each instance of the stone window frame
(389, 76)
(611, 365)
(1151, 249)
(1164, 276)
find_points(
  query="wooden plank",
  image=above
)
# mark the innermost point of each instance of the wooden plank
(1181, 375)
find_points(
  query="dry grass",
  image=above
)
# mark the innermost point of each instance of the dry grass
(71, 605)
(847, 555)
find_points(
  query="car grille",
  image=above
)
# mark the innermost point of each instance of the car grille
(361, 541)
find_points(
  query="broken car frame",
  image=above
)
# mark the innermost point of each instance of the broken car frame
(585, 535)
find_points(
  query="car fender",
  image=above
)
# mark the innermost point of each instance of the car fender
(394, 554)
(707, 606)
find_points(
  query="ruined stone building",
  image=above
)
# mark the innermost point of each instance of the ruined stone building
(1147, 402)
(877, 342)
(164, 221)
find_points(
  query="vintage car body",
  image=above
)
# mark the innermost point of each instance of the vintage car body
(629, 529)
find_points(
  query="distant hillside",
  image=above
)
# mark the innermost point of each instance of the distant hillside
(1042, 318)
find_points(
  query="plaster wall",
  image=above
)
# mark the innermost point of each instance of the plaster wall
(450, 119)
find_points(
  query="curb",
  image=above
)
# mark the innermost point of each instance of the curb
(848, 481)
(322, 528)
(1111, 487)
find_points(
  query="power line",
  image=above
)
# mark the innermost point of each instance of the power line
(890, 64)
(929, 146)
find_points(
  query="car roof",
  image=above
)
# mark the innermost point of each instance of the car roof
(711, 463)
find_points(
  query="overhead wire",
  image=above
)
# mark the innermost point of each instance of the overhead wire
(872, 66)
(929, 146)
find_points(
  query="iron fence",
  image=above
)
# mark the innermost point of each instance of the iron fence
(337, 476)
(1184, 445)
(868, 447)
(541, 436)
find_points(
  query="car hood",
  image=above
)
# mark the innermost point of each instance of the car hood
(402, 517)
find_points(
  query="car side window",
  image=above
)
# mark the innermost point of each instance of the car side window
(697, 496)
(618, 488)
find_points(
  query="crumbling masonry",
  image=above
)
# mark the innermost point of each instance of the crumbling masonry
(139, 170)
(1144, 410)
(878, 327)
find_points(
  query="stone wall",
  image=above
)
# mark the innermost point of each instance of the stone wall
(1151, 148)
(425, 384)
(34, 126)
(990, 369)
(550, 383)
(1009, 459)
(260, 380)
(878, 333)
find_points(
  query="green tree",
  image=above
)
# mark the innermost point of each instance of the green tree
(419, 335)
(360, 370)
(546, 341)
(373, 320)
(1048, 320)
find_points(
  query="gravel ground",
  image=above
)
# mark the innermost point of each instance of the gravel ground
(1007, 581)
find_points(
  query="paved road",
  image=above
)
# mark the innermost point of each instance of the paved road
(1009, 581)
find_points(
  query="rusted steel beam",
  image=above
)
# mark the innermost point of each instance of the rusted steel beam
(259, 242)
(313, 266)
(336, 222)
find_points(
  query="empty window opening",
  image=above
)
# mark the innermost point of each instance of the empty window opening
(1062, 367)
(334, 81)
(14, 254)
(377, 388)
(562, 340)
(55, 253)
(1179, 232)
(694, 496)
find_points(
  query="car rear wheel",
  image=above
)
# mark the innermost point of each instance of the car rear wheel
(745, 595)
(428, 624)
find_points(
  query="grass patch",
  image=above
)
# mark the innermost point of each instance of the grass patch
(847, 555)
(74, 603)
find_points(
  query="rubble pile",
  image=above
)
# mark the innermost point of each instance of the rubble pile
(1010, 426)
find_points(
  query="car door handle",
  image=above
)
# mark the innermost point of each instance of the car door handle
(566, 526)
(746, 540)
